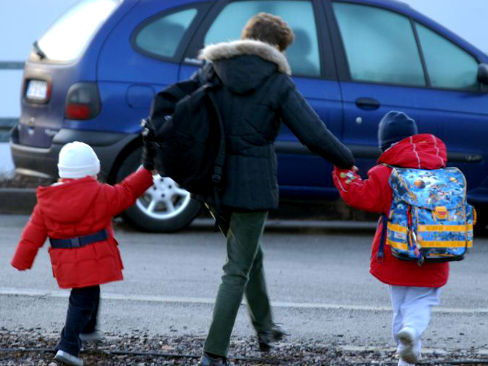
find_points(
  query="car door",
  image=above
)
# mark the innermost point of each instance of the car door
(299, 172)
(395, 59)
(463, 102)
(142, 55)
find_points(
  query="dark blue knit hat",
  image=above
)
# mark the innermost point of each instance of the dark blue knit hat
(393, 127)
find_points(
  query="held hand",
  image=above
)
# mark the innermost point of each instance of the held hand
(149, 148)
(147, 158)
(350, 175)
(147, 130)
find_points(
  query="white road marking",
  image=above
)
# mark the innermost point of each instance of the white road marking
(425, 351)
(10, 291)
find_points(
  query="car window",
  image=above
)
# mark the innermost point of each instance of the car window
(448, 65)
(68, 37)
(162, 35)
(380, 45)
(303, 54)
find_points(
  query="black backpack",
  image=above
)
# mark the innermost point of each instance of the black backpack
(188, 130)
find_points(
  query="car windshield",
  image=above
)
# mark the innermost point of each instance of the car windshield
(66, 39)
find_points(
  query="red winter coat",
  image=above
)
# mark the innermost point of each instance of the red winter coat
(423, 151)
(75, 208)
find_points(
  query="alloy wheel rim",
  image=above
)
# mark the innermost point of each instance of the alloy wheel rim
(164, 200)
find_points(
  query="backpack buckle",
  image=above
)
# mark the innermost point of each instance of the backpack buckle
(441, 212)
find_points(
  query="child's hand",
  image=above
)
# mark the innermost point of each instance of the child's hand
(349, 175)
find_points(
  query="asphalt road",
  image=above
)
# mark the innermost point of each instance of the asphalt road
(317, 277)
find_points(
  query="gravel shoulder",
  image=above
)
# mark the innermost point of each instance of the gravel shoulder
(29, 347)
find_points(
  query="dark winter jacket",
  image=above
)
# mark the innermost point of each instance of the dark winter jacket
(258, 94)
(423, 151)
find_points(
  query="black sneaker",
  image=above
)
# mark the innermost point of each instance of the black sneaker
(208, 360)
(267, 338)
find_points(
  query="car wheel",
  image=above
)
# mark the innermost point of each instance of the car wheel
(165, 207)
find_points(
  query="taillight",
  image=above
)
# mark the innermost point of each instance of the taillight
(82, 101)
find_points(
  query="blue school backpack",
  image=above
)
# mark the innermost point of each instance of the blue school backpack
(429, 218)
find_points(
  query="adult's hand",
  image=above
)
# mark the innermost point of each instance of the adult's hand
(149, 149)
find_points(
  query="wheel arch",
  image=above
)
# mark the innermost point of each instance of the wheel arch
(133, 144)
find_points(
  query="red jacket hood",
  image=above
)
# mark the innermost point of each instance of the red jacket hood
(68, 202)
(422, 151)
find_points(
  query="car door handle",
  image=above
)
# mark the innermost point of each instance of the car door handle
(369, 104)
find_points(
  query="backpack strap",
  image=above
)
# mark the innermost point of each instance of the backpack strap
(384, 222)
(380, 255)
(412, 238)
(165, 101)
(219, 162)
(220, 158)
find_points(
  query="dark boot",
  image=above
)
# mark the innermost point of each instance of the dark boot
(208, 360)
(267, 338)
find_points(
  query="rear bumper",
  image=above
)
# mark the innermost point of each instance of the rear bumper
(42, 162)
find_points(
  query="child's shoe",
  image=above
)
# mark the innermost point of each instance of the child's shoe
(68, 359)
(408, 344)
(95, 336)
(404, 363)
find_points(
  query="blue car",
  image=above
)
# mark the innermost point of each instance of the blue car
(94, 73)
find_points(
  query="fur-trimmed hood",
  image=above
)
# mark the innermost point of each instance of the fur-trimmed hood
(267, 52)
(243, 65)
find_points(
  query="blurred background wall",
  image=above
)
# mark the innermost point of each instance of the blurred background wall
(21, 23)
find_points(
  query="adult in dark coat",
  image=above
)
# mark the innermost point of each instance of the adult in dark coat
(257, 95)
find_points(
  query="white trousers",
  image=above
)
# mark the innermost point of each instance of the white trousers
(412, 307)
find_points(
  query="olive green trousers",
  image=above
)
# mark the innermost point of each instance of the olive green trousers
(243, 274)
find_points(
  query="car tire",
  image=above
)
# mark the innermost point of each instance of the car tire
(165, 207)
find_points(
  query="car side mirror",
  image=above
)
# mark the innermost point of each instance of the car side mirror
(483, 74)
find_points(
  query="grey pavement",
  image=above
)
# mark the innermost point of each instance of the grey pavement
(317, 276)
(17, 200)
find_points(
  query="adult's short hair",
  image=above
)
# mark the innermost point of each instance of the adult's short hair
(269, 28)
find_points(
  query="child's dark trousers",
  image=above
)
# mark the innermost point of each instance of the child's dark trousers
(81, 318)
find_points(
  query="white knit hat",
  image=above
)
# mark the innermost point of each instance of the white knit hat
(77, 160)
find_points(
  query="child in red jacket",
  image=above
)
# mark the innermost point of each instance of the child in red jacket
(76, 215)
(413, 289)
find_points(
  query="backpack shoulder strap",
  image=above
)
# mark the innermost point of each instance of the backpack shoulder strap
(381, 248)
(219, 162)
(220, 158)
(165, 101)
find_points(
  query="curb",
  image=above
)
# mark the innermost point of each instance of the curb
(17, 200)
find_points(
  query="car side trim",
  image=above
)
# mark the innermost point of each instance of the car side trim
(369, 152)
